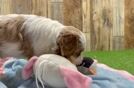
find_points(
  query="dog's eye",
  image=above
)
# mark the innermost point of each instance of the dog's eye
(77, 53)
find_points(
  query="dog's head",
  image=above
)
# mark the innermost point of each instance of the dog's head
(71, 43)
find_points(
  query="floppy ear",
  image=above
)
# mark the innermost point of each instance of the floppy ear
(67, 44)
(74, 79)
(28, 68)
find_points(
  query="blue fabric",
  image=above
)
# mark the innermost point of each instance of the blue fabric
(2, 85)
(30, 83)
(104, 78)
(13, 77)
(109, 79)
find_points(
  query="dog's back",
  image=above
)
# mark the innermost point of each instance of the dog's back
(9, 35)
(29, 34)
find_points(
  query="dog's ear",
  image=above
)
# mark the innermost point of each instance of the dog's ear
(74, 79)
(28, 68)
(67, 44)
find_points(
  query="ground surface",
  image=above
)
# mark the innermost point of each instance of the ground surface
(123, 60)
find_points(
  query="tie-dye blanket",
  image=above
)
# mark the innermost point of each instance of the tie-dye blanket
(11, 76)
(110, 78)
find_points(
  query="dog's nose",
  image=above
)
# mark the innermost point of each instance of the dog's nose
(78, 60)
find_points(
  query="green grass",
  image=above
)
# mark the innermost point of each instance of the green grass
(123, 60)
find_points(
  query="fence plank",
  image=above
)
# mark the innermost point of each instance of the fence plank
(56, 0)
(129, 24)
(102, 24)
(40, 7)
(5, 6)
(56, 10)
(21, 6)
(86, 16)
(118, 42)
(86, 22)
(88, 42)
(118, 18)
(73, 13)
(118, 24)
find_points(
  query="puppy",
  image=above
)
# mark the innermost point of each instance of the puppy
(28, 35)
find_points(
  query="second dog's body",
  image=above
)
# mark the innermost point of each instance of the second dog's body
(28, 35)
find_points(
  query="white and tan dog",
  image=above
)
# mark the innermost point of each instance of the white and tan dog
(28, 35)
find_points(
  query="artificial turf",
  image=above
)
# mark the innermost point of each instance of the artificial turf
(122, 60)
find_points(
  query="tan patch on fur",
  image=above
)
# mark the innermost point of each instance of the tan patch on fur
(69, 43)
(71, 29)
(26, 45)
(10, 29)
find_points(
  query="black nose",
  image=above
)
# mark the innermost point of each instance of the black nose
(87, 62)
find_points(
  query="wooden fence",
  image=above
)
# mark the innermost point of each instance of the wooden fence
(129, 24)
(102, 21)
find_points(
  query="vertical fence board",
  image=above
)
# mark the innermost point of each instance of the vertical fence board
(118, 24)
(40, 7)
(118, 43)
(49, 9)
(87, 35)
(102, 24)
(56, 0)
(118, 18)
(86, 15)
(95, 23)
(86, 22)
(129, 24)
(5, 6)
(21, 6)
(73, 13)
(56, 11)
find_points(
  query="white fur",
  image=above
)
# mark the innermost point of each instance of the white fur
(10, 49)
(38, 29)
(47, 70)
